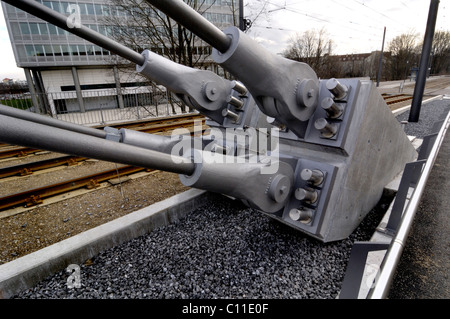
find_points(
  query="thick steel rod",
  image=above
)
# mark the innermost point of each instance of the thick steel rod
(423, 66)
(194, 21)
(62, 21)
(31, 134)
(41, 119)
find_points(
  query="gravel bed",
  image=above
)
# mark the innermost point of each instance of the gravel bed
(221, 250)
(430, 113)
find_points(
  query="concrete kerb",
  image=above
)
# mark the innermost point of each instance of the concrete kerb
(25, 272)
(405, 108)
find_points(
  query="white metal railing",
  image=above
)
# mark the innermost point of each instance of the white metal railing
(393, 254)
(99, 107)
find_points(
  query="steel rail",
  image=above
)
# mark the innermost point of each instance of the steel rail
(41, 11)
(18, 151)
(393, 254)
(158, 121)
(398, 100)
(29, 168)
(35, 196)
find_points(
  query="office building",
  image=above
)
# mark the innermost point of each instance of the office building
(72, 75)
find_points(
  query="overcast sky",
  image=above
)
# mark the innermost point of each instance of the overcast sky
(356, 26)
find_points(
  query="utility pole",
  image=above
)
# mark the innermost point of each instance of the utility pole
(423, 67)
(380, 65)
(242, 25)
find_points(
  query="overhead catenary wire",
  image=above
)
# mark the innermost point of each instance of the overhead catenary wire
(330, 19)
(343, 39)
(363, 23)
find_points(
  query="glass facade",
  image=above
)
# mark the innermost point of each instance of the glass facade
(36, 43)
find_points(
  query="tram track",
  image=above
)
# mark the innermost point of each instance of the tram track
(396, 98)
(431, 89)
(36, 195)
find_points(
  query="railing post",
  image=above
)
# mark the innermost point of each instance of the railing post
(76, 82)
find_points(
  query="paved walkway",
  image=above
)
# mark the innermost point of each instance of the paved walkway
(407, 86)
(424, 268)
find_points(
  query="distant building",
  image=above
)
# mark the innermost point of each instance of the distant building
(7, 81)
(360, 64)
(62, 68)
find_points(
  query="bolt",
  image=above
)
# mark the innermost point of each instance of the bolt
(303, 215)
(307, 195)
(231, 115)
(327, 129)
(337, 89)
(313, 176)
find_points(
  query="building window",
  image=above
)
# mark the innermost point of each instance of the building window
(15, 29)
(21, 52)
(57, 50)
(65, 50)
(39, 50)
(29, 49)
(48, 50)
(98, 9)
(56, 30)
(10, 9)
(48, 4)
(90, 9)
(24, 28)
(82, 49)
(74, 50)
(98, 50)
(57, 6)
(34, 28)
(83, 10)
(43, 28)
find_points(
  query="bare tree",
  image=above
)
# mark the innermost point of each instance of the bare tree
(140, 26)
(440, 58)
(315, 48)
(404, 55)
